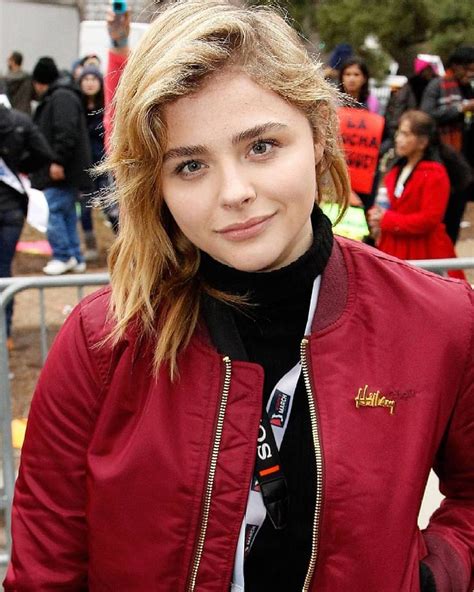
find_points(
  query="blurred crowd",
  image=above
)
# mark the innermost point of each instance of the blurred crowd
(52, 129)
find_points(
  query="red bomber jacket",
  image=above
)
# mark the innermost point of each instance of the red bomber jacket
(413, 226)
(133, 483)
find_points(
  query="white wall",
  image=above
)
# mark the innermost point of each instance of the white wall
(93, 38)
(37, 30)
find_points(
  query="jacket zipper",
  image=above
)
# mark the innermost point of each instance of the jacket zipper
(319, 466)
(206, 505)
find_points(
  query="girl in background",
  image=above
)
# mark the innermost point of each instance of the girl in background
(418, 188)
(354, 81)
(92, 89)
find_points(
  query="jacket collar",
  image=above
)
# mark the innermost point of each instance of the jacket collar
(334, 290)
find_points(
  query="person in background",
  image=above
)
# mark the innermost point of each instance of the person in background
(354, 81)
(450, 101)
(92, 60)
(92, 88)
(60, 116)
(248, 405)
(23, 149)
(118, 28)
(19, 87)
(338, 56)
(418, 188)
(409, 96)
(76, 70)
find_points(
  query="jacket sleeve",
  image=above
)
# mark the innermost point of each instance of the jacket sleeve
(450, 534)
(48, 519)
(37, 150)
(430, 104)
(433, 203)
(65, 126)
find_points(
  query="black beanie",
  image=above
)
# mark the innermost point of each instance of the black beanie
(45, 71)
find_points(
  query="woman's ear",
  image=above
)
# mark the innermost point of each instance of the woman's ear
(423, 142)
(319, 151)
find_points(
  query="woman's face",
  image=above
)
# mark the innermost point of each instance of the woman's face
(90, 85)
(239, 173)
(353, 79)
(408, 144)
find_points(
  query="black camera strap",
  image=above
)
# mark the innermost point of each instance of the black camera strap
(269, 476)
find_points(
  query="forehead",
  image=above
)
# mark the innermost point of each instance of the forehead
(353, 68)
(228, 102)
(405, 125)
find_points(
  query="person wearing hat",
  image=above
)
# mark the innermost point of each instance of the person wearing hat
(91, 83)
(61, 118)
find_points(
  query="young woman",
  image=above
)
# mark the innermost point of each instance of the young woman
(227, 416)
(354, 81)
(418, 189)
(92, 89)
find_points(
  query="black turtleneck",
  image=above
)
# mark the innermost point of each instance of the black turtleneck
(271, 329)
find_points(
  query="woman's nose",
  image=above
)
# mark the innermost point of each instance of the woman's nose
(236, 187)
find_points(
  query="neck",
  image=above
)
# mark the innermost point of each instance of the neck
(414, 159)
(274, 286)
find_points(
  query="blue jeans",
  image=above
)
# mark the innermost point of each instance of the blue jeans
(11, 224)
(62, 223)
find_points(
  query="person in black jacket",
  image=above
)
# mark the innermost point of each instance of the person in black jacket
(22, 149)
(60, 117)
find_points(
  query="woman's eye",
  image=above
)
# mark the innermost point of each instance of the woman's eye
(262, 147)
(190, 167)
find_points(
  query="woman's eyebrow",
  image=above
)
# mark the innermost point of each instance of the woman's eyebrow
(257, 130)
(246, 135)
(183, 151)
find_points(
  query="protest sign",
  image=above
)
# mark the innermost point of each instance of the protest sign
(361, 133)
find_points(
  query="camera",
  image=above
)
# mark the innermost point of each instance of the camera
(119, 6)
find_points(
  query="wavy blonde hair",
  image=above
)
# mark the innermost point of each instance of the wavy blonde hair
(154, 267)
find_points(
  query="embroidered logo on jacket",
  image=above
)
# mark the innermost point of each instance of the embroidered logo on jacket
(279, 408)
(366, 398)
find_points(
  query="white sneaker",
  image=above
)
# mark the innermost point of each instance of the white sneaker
(79, 267)
(57, 267)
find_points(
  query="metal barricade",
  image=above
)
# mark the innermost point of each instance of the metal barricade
(439, 266)
(11, 286)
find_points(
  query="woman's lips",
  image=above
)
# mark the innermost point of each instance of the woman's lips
(247, 229)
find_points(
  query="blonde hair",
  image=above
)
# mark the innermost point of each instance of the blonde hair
(153, 265)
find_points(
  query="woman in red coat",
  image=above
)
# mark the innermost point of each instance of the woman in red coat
(418, 188)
